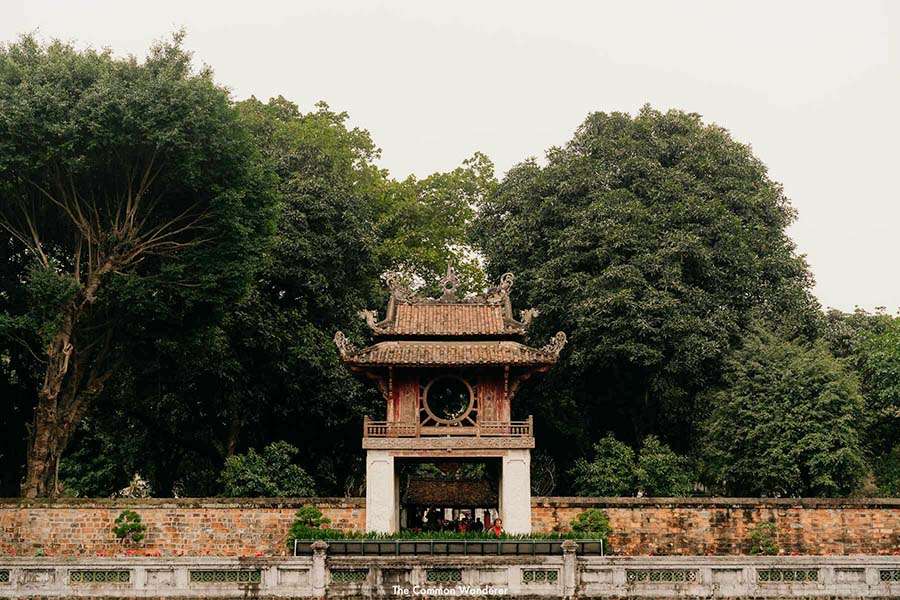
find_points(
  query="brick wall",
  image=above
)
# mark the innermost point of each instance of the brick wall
(717, 526)
(175, 527)
(641, 526)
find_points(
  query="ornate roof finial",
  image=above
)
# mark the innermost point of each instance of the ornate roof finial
(506, 282)
(345, 346)
(556, 344)
(449, 285)
(527, 316)
(396, 282)
(371, 319)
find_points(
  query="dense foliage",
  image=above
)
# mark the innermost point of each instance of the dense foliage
(762, 539)
(784, 423)
(271, 472)
(615, 470)
(204, 360)
(651, 241)
(609, 473)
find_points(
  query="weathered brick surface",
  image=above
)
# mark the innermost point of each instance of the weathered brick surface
(717, 526)
(180, 527)
(641, 526)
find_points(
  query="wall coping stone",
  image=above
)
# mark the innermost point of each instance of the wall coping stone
(713, 502)
(214, 503)
(546, 501)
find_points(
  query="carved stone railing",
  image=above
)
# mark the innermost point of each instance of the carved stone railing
(388, 429)
(569, 573)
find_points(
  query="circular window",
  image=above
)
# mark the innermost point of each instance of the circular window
(448, 399)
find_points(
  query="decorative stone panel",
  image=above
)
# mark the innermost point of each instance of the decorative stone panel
(349, 575)
(849, 575)
(787, 575)
(38, 577)
(90, 576)
(662, 576)
(526, 577)
(293, 577)
(225, 576)
(160, 578)
(540, 576)
(443, 575)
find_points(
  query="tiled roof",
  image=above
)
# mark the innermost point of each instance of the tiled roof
(428, 353)
(452, 319)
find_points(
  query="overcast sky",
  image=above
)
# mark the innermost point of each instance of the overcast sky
(814, 87)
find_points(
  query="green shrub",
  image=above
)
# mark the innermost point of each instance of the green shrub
(271, 473)
(762, 539)
(786, 422)
(592, 523)
(661, 472)
(128, 527)
(616, 470)
(610, 473)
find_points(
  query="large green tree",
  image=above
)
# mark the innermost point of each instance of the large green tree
(651, 241)
(785, 422)
(269, 369)
(132, 202)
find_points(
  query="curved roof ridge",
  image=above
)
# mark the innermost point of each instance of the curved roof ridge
(436, 352)
(489, 313)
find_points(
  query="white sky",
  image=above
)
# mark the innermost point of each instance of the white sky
(813, 86)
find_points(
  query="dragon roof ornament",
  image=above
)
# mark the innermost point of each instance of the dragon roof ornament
(345, 346)
(556, 344)
(450, 314)
(398, 284)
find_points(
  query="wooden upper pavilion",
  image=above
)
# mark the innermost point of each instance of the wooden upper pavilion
(449, 365)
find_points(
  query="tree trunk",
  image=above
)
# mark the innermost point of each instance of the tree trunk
(59, 410)
(43, 447)
(234, 432)
(44, 453)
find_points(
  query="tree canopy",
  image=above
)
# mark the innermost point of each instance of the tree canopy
(135, 205)
(174, 264)
(652, 241)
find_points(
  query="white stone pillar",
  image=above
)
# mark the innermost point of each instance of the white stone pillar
(570, 566)
(319, 547)
(515, 491)
(381, 492)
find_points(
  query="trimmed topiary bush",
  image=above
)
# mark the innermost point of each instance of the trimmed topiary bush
(129, 528)
(310, 524)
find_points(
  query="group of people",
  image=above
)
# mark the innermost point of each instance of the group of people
(464, 524)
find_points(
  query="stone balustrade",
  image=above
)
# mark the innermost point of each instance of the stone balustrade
(558, 576)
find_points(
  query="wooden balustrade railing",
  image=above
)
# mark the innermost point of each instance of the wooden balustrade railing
(479, 429)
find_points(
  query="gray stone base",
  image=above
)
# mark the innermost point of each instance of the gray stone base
(568, 575)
